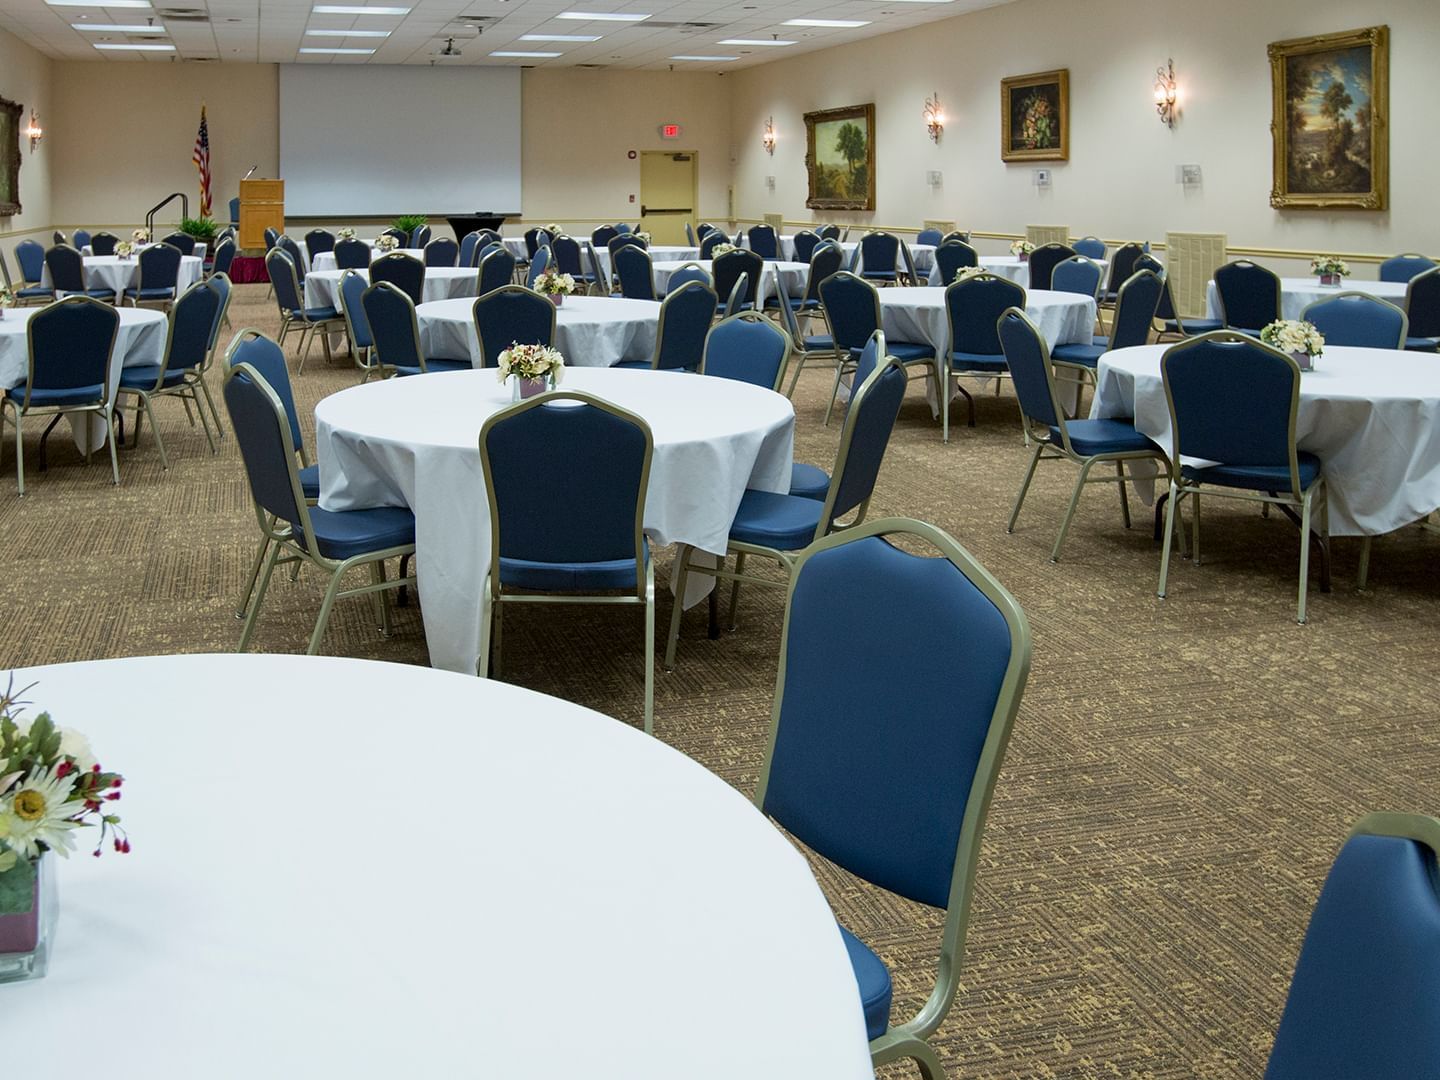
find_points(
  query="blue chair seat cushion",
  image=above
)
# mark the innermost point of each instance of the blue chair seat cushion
(967, 361)
(878, 275)
(809, 481)
(315, 314)
(633, 365)
(159, 292)
(907, 352)
(1193, 326)
(40, 397)
(782, 522)
(1091, 437)
(143, 376)
(820, 343)
(873, 979)
(1256, 477)
(310, 481)
(32, 291)
(94, 294)
(346, 533)
(570, 577)
(1414, 344)
(1082, 355)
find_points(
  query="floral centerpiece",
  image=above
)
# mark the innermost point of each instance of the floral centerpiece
(140, 236)
(124, 249)
(1330, 268)
(387, 242)
(1021, 249)
(722, 249)
(50, 786)
(345, 234)
(1298, 338)
(535, 368)
(555, 285)
(6, 299)
(644, 238)
(965, 273)
(553, 230)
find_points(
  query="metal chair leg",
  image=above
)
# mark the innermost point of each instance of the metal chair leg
(249, 629)
(1305, 507)
(1124, 496)
(110, 442)
(1025, 486)
(324, 618)
(1362, 576)
(682, 560)
(650, 650)
(735, 590)
(1169, 538)
(1070, 510)
(249, 589)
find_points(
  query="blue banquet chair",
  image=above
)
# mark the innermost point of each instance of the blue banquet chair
(1122, 267)
(318, 242)
(565, 251)
(930, 237)
(852, 310)
(1078, 274)
(953, 256)
(802, 345)
(224, 258)
(805, 243)
(602, 236)
(352, 255)
(103, 243)
(419, 237)
(183, 242)
(497, 268)
(468, 244)
(764, 242)
(67, 275)
(1402, 268)
(1358, 319)
(405, 272)
(313, 322)
(879, 257)
(81, 240)
(1135, 306)
(509, 315)
(810, 481)
(710, 241)
(747, 347)
(689, 272)
(728, 270)
(395, 333)
(634, 271)
(1043, 261)
(682, 329)
(157, 276)
(973, 308)
(1092, 247)
(1422, 308)
(357, 327)
(538, 265)
(1248, 295)
(442, 251)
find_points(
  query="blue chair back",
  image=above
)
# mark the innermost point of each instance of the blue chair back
(31, 257)
(824, 261)
(258, 417)
(1232, 400)
(623, 240)
(1358, 319)
(67, 269)
(318, 241)
(534, 241)
(874, 405)
(952, 257)
(224, 257)
(747, 348)
(192, 319)
(690, 237)
(688, 273)
(1404, 267)
(284, 279)
(538, 265)
(1122, 265)
(255, 350)
(235, 213)
(271, 237)
(70, 344)
(291, 248)
(1249, 295)
(497, 269)
(352, 255)
(159, 267)
(468, 242)
(891, 778)
(1043, 261)
(764, 242)
(393, 326)
(710, 241)
(852, 309)
(442, 251)
(184, 242)
(566, 475)
(974, 307)
(602, 236)
(419, 236)
(405, 272)
(805, 243)
(929, 236)
(636, 274)
(102, 243)
(222, 287)
(879, 253)
(1090, 246)
(1028, 359)
(731, 265)
(566, 252)
(1077, 275)
(1365, 999)
(82, 238)
(1422, 304)
(352, 306)
(685, 317)
(509, 315)
(622, 228)
(402, 238)
(828, 232)
(1135, 309)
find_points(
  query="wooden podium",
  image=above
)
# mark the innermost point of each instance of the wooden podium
(262, 206)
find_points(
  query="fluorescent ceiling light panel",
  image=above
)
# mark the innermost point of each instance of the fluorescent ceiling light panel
(704, 58)
(522, 52)
(348, 33)
(767, 42)
(559, 37)
(601, 16)
(354, 9)
(99, 4)
(839, 24)
(341, 52)
(136, 48)
(118, 28)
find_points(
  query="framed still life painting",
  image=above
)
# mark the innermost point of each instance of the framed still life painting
(10, 114)
(840, 158)
(1331, 120)
(1035, 117)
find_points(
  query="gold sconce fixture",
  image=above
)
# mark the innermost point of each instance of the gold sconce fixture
(34, 132)
(1165, 95)
(934, 117)
(767, 138)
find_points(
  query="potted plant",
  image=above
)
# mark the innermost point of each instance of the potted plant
(408, 223)
(203, 229)
(1302, 340)
(555, 285)
(1021, 249)
(534, 368)
(1331, 269)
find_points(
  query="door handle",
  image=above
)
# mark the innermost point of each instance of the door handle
(663, 209)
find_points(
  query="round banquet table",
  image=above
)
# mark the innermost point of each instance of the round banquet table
(322, 287)
(117, 274)
(1008, 266)
(140, 339)
(325, 260)
(1372, 416)
(792, 274)
(199, 252)
(676, 253)
(1296, 294)
(572, 892)
(917, 313)
(590, 331)
(416, 442)
(923, 254)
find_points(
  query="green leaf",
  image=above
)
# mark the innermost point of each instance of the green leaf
(17, 888)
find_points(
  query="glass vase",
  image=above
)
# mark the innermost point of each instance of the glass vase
(1305, 361)
(558, 299)
(26, 938)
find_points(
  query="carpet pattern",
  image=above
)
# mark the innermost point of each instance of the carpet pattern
(1180, 776)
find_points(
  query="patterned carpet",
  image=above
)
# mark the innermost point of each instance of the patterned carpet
(1180, 776)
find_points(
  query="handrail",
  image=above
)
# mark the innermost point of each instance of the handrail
(184, 209)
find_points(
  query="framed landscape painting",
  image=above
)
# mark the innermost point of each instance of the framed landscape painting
(840, 158)
(10, 114)
(1330, 122)
(1035, 117)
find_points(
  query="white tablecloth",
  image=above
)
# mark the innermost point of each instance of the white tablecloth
(674, 253)
(1296, 294)
(326, 259)
(322, 287)
(113, 272)
(515, 245)
(1007, 266)
(568, 879)
(918, 314)
(923, 254)
(139, 340)
(1372, 416)
(415, 442)
(591, 331)
(793, 274)
(199, 251)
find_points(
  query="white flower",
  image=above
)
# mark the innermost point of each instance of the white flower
(36, 813)
(345, 234)
(1021, 247)
(1294, 336)
(139, 236)
(966, 272)
(722, 249)
(75, 745)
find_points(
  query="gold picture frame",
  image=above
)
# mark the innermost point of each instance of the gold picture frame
(840, 158)
(10, 114)
(1035, 116)
(1330, 122)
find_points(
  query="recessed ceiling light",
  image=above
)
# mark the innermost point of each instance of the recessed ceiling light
(842, 24)
(522, 52)
(135, 48)
(559, 37)
(340, 52)
(348, 33)
(768, 42)
(355, 9)
(98, 3)
(119, 28)
(602, 16)
(704, 58)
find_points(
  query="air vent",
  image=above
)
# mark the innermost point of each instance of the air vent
(476, 20)
(683, 27)
(190, 15)
(147, 37)
(592, 66)
(199, 59)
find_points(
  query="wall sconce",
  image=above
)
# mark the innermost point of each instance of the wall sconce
(767, 139)
(934, 117)
(1165, 95)
(34, 132)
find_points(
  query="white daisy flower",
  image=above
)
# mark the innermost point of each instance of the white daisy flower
(35, 813)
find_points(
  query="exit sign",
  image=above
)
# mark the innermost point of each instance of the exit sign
(669, 131)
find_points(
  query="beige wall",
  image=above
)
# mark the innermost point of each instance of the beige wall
(25, 76)
(1120, 180)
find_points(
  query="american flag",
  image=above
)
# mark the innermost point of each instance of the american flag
(201, 157)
